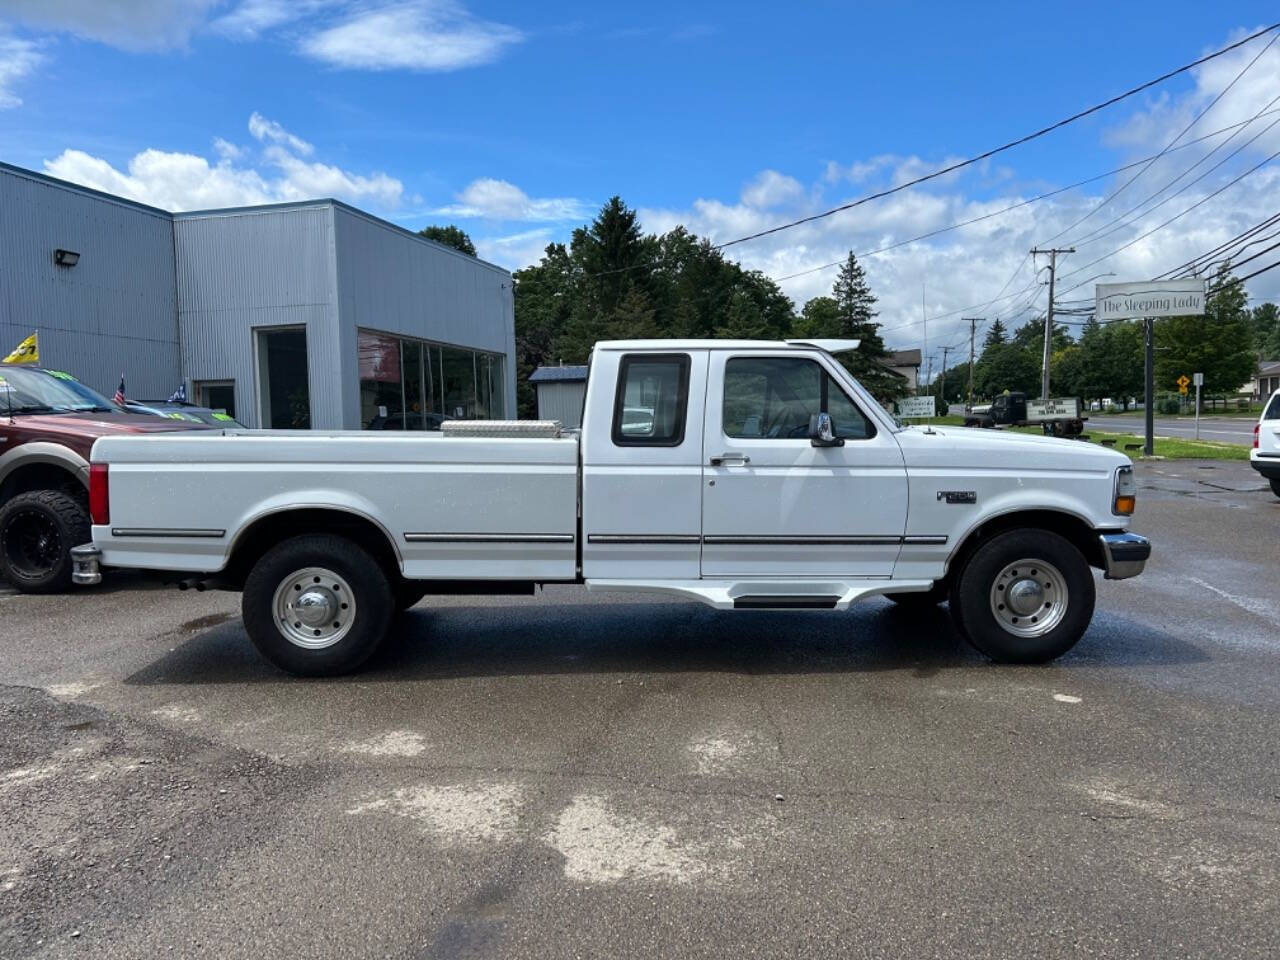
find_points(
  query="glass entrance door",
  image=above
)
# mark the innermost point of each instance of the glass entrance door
(283, 386)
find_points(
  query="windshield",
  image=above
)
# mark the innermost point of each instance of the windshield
(47, 391)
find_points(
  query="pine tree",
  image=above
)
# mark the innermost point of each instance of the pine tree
(856, 320)
(997, 334)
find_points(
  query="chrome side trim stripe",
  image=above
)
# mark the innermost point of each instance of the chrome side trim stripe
(643, 538)
(166, 532)
(489, 537)
(921, 539)
(817, 540)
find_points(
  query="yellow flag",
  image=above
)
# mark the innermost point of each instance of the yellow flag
(28, 351)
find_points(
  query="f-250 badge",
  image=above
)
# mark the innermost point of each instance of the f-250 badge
(958, 496)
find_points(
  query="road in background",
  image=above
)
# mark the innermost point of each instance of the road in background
(1216, 429)
(592, 775)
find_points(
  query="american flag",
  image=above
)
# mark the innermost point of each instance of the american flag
(119, 397)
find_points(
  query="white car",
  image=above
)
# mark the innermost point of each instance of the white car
(1265, 455)
(762, 476)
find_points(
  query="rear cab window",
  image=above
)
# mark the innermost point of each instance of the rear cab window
(652, 400)
(1273, 409)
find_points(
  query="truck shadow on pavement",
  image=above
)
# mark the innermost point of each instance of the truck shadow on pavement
(591, 638)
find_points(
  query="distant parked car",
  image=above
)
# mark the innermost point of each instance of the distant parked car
(1265, 455)
(190, 412)
(48, 423)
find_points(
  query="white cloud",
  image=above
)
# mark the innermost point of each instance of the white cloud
(250, 19)
(269, 131)
(499, 200)
(428, 35)
(18, 60)
(127, 24)
(771, 189)
(515, 250)
(184, 181)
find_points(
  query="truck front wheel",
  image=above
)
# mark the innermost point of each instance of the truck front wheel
(1025, 596)
(317, 605)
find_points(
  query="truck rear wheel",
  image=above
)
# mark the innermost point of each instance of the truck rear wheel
(37, 532)
(1025, 596)
(317, 605)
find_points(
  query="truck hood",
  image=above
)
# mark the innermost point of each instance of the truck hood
(1001, 449)
(94, 425)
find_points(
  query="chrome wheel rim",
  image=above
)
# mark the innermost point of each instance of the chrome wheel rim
(1029, 598)
(314, 608)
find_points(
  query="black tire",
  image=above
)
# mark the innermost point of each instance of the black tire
(1275, 487)
(366, 584)
(407, 593)
(37, 532)
(920, 601)
(976, 590)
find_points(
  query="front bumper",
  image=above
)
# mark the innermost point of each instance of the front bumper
(1267, 464)
(1124, 554)
(85, 565)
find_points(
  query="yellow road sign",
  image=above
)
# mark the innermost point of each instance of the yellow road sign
(1183, 382)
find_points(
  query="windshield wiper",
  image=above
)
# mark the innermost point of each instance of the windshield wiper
(31, 408)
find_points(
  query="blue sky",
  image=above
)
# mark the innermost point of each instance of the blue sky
(517, 120)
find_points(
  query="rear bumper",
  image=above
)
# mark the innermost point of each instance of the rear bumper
(1124, 554)
(1266, 464)
(86, 567)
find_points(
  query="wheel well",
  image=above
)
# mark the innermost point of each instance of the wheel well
(266, 532)
(43, 476)
(1071, 528)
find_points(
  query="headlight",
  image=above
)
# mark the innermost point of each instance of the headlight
(1126, 493)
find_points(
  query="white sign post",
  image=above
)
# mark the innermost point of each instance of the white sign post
(1148, 300)
(1199, 378)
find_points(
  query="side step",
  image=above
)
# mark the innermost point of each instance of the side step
(780, 602)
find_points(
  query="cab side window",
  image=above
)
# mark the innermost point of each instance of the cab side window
(652, 400)
(772, 398)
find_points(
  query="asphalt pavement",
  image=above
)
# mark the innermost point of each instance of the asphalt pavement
(585, 775)
(1216, 429)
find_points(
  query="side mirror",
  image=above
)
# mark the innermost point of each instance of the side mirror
(822, 431)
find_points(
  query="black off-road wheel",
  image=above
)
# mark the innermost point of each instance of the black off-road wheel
(317, 605)
(1025, 596)
(37, 532)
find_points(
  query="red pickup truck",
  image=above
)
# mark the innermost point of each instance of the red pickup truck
(48, 423)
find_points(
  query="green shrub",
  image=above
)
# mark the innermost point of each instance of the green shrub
(1170, 405)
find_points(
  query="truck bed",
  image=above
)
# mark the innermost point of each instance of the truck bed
(455, 507)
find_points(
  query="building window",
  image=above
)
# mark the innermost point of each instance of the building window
(408, 384)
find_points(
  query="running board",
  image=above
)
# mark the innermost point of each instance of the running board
(778, 602)
(784, 593)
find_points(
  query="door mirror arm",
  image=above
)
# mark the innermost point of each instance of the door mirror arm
(822, 431)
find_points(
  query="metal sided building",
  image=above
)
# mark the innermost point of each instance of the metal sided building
(299, 315)
(561, 393)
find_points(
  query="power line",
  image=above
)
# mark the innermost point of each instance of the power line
(1194, 264)
(1000, 149)
(1178, 216)
(1196, 119)
(1022, 203)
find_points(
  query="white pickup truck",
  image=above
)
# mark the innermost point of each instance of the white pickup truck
(760, 476)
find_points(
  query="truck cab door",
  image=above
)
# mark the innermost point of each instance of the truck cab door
(642, 465)
(773, 503)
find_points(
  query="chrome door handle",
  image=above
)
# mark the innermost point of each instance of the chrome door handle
(726, 458)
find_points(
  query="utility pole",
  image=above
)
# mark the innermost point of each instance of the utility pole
(1048, 319)
(973, 329)
(943, 391)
